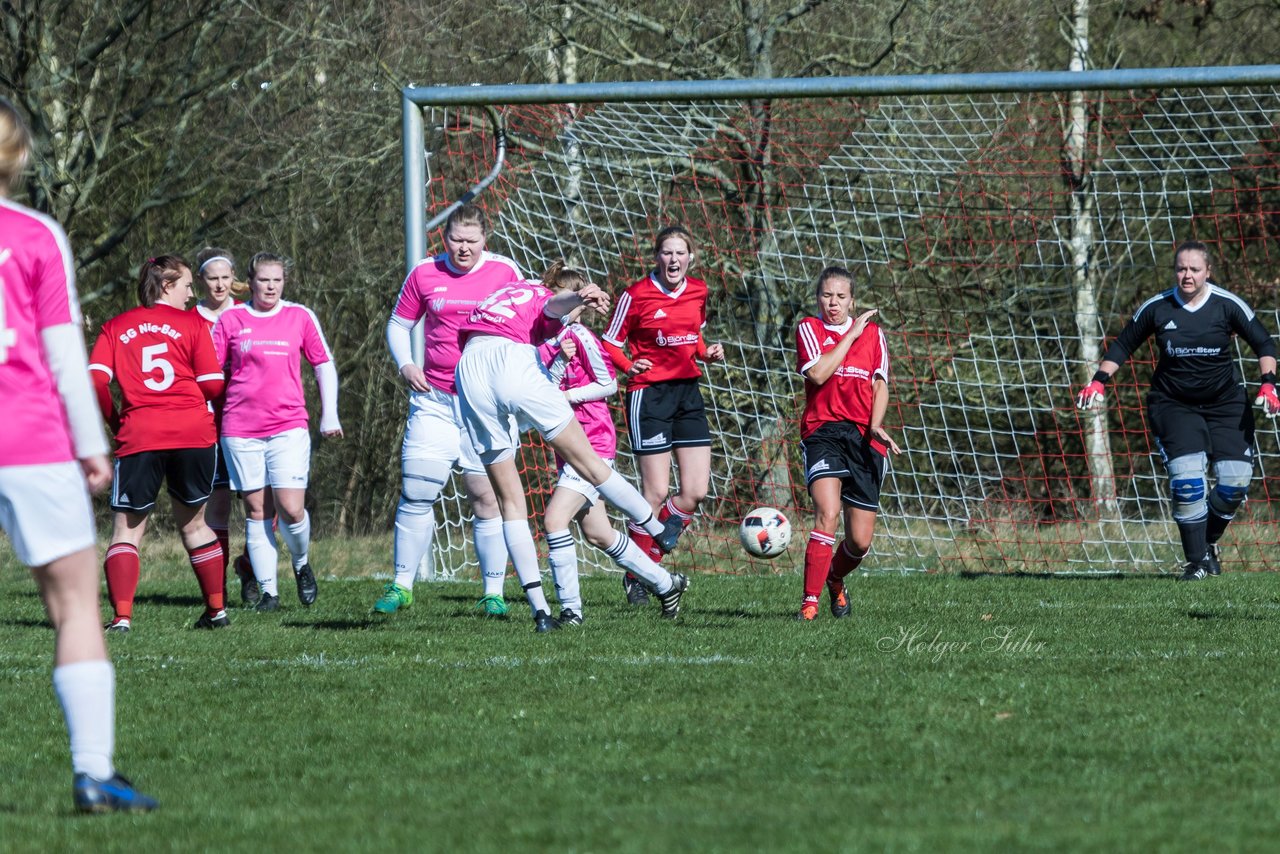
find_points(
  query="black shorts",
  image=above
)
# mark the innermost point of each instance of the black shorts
(1223, 429)
(666, 415)
(188, 472)
(840, 450)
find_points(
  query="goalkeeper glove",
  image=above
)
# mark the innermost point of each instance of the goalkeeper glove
(1268, 400)
(1091, 395)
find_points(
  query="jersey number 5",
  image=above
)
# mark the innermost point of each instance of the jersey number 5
(151, 362)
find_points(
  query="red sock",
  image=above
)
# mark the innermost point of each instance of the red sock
(209, 565)
(123, 568)
(669, 509)
(844, 562)
(224, 540)
(644, 540)
(817, 563)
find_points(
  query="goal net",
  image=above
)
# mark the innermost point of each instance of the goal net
(1004, 239)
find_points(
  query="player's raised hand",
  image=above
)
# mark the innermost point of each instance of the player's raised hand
(568, 349)
(1268, 400)
(1091, 395)
(860, 323)
(594, 297)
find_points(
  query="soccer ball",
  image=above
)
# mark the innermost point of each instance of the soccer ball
(765, 532)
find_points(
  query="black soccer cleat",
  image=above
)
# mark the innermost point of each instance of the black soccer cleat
(840, 605)
(307, 589)
(671, 599)
(1210, 562)
(267, 603)
(250, 594)
(637, 593)
(671, 530)
(570, 617)
(1194, 572)
(544, 622)
(218, 620)
(114, 795)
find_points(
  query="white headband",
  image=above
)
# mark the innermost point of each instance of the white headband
(216, 258)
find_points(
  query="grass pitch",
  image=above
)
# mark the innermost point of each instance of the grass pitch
(949, 713)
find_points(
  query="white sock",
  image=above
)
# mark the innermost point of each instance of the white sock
(297, 536)
(525, 557)
(621, 494)
(491, 551)
(260, 538)
(563, 557)
(415, 527)
(87, 692)
(628, 555)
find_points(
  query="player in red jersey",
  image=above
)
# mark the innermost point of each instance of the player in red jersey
(845, 365)
(660, 320)
(44, 485)
(216, 271)
(161, 358)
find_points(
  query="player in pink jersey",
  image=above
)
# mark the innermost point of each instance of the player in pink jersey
(216, 271)
(845, 365)
(660, 319)
(441, 293)
(44, 485)
(264, 422)
(500, 377)
(585, 374)
(161, 359)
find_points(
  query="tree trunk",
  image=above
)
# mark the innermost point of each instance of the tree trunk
(1085, 278)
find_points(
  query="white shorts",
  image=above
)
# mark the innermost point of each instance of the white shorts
(570, 479)
(499, 380)
(46, 511)
(434, 431)
(282, 461)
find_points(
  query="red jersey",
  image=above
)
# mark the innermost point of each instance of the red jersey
(163, 361)
(662, 326)
(847, 394)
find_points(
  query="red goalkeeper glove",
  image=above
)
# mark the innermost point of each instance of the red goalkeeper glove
(1268, 400)
(1091, 395)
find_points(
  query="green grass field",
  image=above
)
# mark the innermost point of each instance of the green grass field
(949, 713)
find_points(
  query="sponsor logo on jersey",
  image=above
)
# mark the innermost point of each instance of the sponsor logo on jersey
(660, 439)
(820, 465)
(1171, 325)
(675, 340)
(828, 342)
(439, 289)
(1186, 352)
(659, 314)
(438, 304)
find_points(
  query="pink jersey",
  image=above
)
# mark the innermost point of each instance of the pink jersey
(262, 354)
(590, 366)
(514, 313)
(37, 290)
(442, 298)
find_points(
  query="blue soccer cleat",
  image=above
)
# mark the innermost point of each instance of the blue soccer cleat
(114, 795)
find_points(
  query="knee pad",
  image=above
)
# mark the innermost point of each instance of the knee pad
(422, 481)
(1187, 486)
(1232, 486)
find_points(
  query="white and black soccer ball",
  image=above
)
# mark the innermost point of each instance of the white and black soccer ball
(765, 532)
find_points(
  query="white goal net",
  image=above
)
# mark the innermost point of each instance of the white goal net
(975, 224)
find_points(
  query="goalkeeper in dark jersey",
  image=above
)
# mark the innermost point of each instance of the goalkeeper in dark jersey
(1197, 405)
